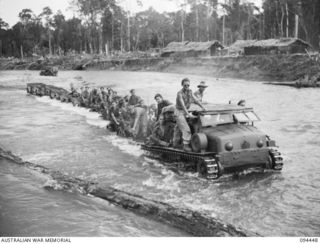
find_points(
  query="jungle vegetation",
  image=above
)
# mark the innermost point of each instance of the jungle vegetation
(103, 26)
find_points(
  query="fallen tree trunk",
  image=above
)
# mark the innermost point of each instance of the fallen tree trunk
(193, 222)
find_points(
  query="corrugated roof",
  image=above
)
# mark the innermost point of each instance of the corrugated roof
(190, 46)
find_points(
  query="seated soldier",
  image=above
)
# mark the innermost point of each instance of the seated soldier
(103, 96)
(114, 115)
(161, 104)
(135, 100)
(84, 97)
(109, 96)
(95, 100)
(162, 133)
(124, 119)
(139, 128)
(157, 136)
(74, 95)
(73, 92)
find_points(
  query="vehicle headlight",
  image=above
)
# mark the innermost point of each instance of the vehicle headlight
(260, 143)
(228, 146)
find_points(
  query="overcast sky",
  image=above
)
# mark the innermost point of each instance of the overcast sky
(9, 9)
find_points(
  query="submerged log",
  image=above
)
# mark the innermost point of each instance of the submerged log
(194, 222)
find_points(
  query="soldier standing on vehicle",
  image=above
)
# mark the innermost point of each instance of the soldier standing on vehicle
(184, 99)
(161, 104)
(199, 93)
(135, 100)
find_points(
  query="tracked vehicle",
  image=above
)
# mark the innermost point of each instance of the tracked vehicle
(53, 92)
(224, 140)
(38, 89)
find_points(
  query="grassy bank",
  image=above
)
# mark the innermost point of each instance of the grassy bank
(259, 68)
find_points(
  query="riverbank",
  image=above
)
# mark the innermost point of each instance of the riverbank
(258, 68)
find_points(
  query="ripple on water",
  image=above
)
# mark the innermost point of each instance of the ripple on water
(280, 204)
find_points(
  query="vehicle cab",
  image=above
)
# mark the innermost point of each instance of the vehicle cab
(228, 131)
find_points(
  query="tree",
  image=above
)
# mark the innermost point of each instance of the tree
(3, 27)
(25, 17)
(3, 24)
(47, 17)
(310, 17)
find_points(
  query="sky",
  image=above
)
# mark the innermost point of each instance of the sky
(9, 9)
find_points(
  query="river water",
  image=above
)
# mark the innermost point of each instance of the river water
(75, 142)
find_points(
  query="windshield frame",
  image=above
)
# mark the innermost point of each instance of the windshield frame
(221, 118)
(209, 120)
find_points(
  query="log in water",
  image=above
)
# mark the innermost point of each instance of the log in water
(194, 222)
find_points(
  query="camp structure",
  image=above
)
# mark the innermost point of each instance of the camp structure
(277, 46)
(192, 49)
(237, 48)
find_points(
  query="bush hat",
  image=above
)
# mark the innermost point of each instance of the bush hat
(202, 84)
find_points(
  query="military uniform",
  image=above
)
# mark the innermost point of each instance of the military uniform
(182, 126)
(198, 95)
(161, 105)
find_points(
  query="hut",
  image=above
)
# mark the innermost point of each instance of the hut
(237, 48)
(192, 49)
(277, 46)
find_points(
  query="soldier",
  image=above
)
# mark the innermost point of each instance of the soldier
(73, 96)
(103, 95)
(114, 117)
(73, 90)
(84, 97)
(199, 93)
(139, 128)
(161, 104)
(103, 98)
(135, 100)
(163, 128)
(124, 118)
(95, 100)
(184, 99)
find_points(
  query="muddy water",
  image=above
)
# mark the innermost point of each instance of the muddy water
(74, 141)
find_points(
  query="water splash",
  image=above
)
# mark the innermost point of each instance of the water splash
(125, 144)
(92, 118)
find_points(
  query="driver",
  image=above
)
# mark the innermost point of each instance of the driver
(184, 98)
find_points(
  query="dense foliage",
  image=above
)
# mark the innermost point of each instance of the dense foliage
(103, 26)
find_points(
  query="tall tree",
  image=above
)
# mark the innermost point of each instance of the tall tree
(48, 20)
(3, 27)
(59, 24)
(25, 17)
